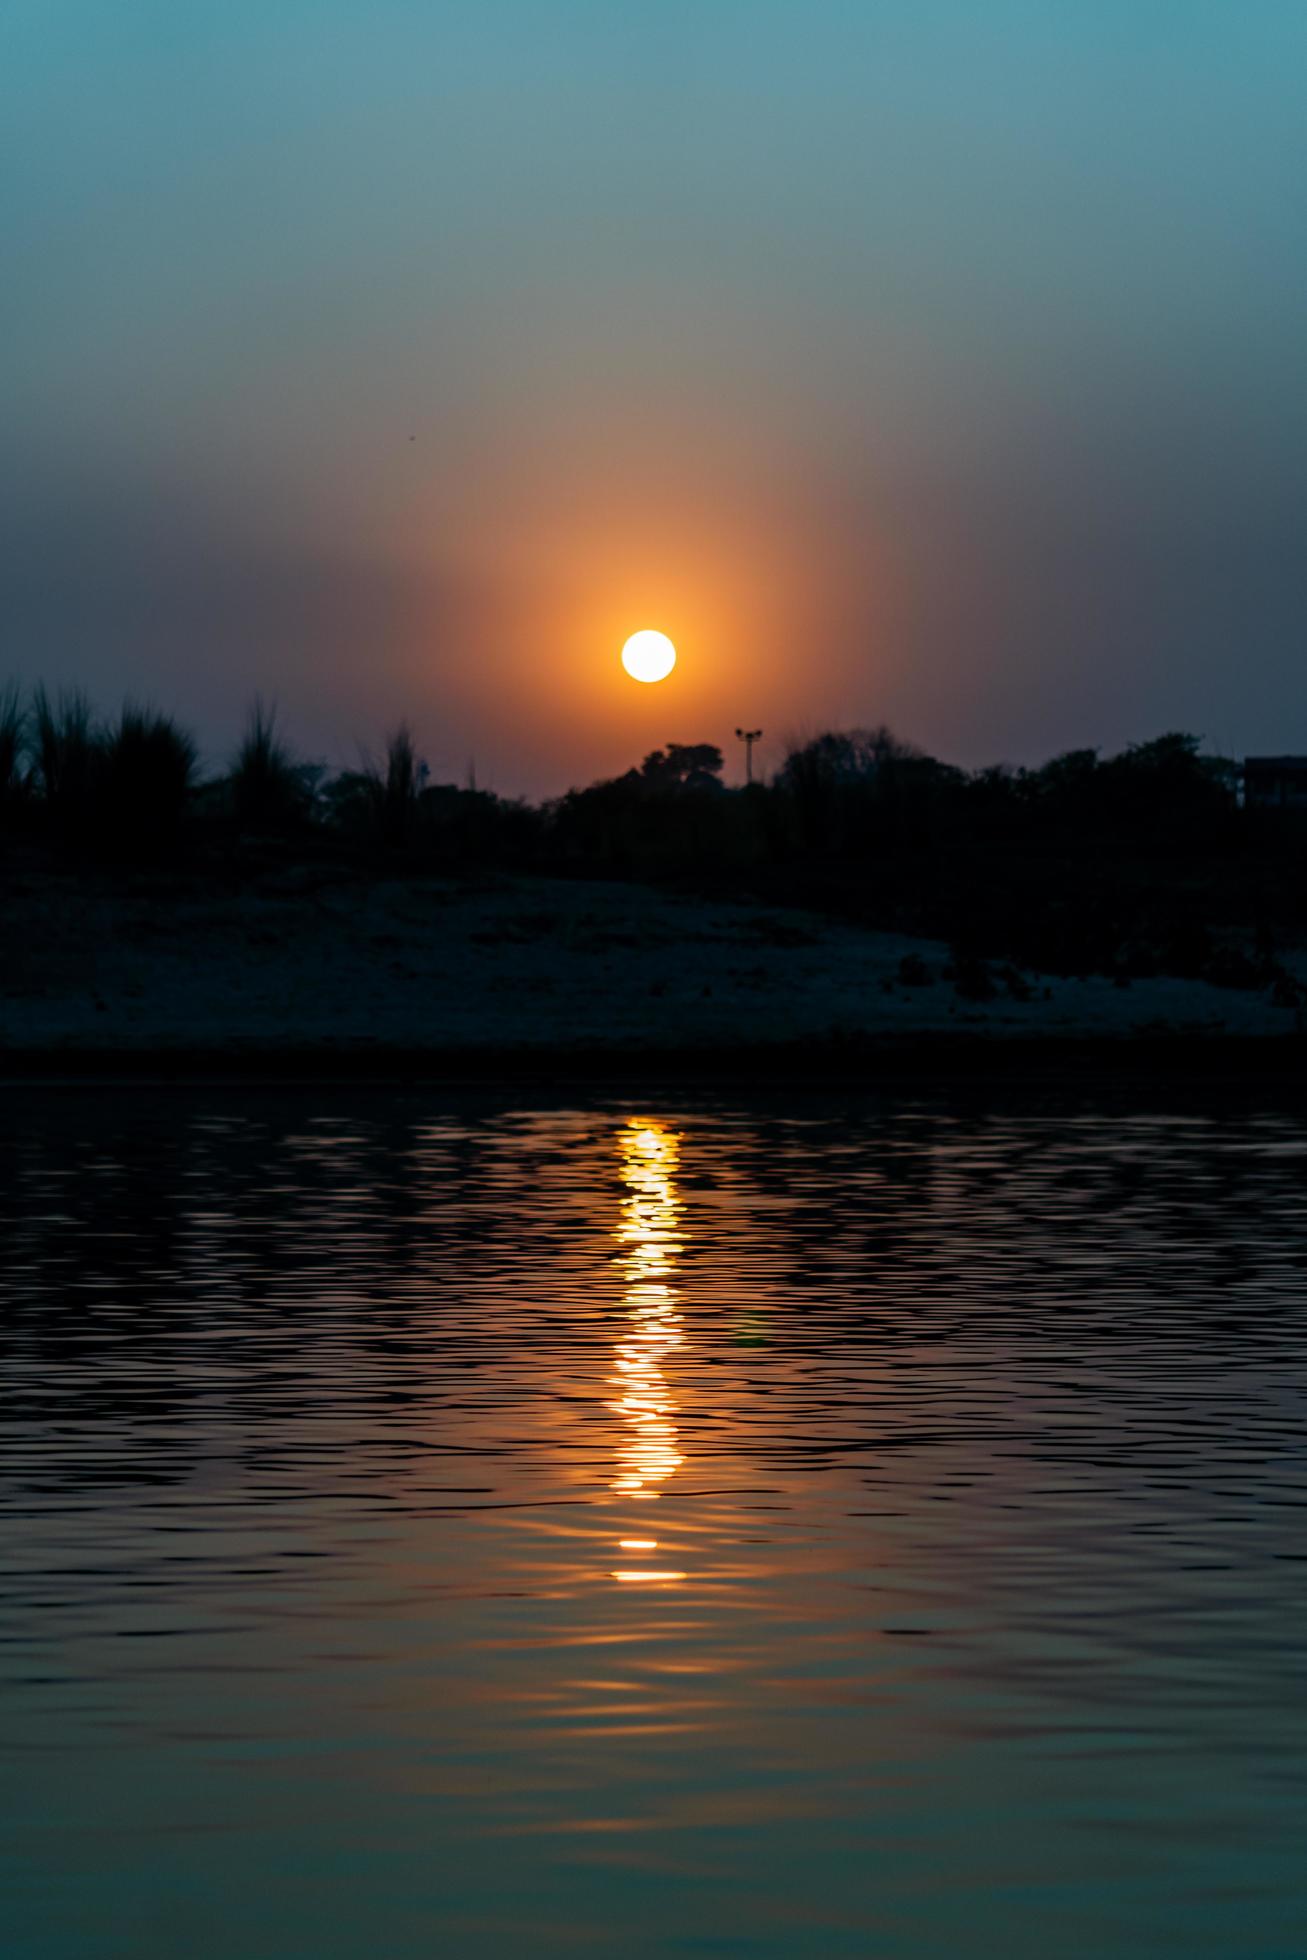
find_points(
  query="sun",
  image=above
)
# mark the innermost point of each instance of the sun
(648, 656)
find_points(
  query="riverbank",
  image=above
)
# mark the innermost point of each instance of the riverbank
(310, 971)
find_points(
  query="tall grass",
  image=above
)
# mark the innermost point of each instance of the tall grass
(269, 789)
(147, 774)
(13, 728)
(394, 794)
(68, 753)
(381, 803)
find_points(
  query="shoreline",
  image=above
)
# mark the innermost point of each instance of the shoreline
(864, 1062)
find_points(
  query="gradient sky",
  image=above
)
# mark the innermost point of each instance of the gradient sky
(938, 364)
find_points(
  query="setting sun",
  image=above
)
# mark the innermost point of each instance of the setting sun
(648, 656)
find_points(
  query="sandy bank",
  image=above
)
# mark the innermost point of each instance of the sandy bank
(310, 968)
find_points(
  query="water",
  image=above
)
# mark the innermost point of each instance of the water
(429, 1528)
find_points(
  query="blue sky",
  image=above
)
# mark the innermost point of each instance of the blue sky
(938, 364)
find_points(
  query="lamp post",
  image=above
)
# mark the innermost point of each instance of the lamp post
(749, 736)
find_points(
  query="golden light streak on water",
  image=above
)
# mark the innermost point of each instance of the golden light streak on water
(649, 1232)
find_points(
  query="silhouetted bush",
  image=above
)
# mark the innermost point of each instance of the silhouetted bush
(474, 826)
(671, 812)
(270, 791)
(69, 760)
(1018, 987)
(13, 728)
(392, 792)
(146, 774)
(1162, 790)
(438, 826)
(682, 768)
(972, 979)
(349, 803)
(378, 805)
(866, 791)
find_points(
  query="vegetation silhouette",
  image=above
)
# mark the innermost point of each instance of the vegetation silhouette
(65, 759)
(146, 772)
(122, 788)
(1129, 865)
(670, 812)
(13, 724)
(380, 803)
(268, 791)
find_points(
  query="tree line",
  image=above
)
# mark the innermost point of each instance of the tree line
(1138, 862)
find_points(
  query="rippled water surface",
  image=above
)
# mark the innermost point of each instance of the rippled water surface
(432, 1528)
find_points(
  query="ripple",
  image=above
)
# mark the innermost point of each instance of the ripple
(840, 1528)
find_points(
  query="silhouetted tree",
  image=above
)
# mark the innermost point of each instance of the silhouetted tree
(851, 791)
(671, 811)
(694, 766)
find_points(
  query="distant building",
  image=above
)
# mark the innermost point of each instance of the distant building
(1275, 782)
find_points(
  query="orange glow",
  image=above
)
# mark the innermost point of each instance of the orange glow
(646, 1578)
(537, 577)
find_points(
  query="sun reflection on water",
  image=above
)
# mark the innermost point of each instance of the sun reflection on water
(649, 1233)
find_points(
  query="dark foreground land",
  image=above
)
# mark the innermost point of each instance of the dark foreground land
(871, 910)
(315, 969)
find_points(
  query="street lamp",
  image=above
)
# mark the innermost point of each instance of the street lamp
(749, 736)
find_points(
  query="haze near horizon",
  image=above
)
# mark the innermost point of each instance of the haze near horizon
(937, 366)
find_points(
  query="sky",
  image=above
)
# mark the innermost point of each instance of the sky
(907, 361)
